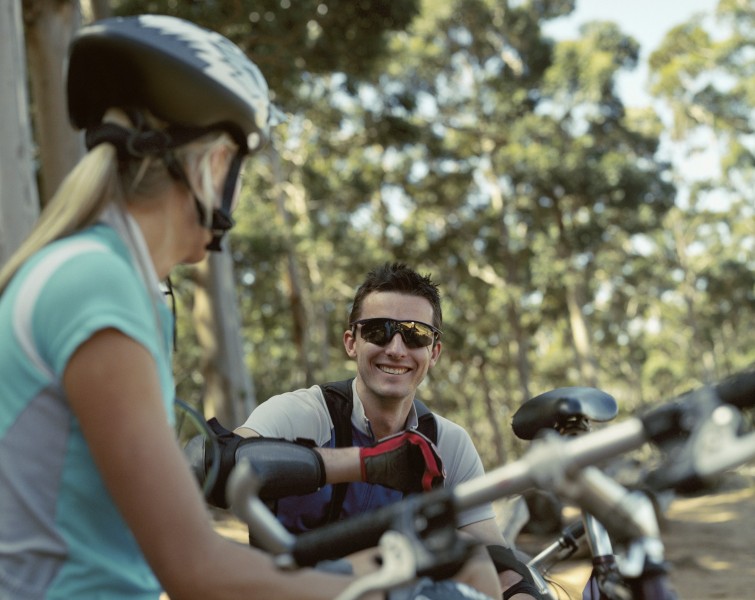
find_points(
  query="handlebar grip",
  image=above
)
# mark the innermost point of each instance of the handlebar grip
(415, 515)
(738, 390)
(671, 420)
(342, 538)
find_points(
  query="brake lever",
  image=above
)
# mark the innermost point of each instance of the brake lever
(712, 444)
(423, 543)
(242, 492)
(399, 567)
(718, 446)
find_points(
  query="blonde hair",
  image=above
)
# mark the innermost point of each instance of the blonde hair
(99, 180)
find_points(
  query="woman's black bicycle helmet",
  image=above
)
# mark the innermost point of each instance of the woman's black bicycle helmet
(194, 79)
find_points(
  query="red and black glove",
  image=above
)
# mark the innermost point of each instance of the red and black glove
(407, 461)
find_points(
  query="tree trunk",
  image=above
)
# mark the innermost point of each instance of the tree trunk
(94, 10)
(520, 346)
(297, 288)
(229, 389)
(699, 350)
(19, 202)
(580, 333)
(512, 288)
(492, 414)
(50, 26)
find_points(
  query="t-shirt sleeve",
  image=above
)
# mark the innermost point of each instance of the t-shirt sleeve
(298, 414)
(462, 463)
(91, 292)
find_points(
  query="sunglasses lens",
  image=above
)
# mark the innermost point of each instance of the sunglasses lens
(376, 331)
(381, 332)
(416, 335)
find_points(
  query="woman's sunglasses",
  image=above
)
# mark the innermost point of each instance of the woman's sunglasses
(380, 331)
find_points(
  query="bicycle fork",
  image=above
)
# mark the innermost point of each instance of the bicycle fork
(605, 571)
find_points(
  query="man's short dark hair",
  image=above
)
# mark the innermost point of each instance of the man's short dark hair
(399, 278)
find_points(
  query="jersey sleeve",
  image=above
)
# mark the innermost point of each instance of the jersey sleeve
(89, 293)
(463, 463)
(298, 414)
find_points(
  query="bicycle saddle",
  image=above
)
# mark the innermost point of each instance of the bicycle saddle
(557, 408)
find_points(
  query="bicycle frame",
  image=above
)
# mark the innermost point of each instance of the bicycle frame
(564, 547)
(601, 552)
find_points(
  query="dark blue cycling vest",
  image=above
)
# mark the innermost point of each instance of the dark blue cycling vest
(340, 400)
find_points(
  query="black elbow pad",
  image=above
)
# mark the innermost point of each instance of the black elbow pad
(283, 468)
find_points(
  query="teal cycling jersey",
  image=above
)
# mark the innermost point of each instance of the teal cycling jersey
(61, 535)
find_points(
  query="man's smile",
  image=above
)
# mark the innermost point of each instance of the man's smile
(393, 370)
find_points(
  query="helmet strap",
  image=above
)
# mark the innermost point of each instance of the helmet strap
(140, 141)
(221, 220)
(221, 217)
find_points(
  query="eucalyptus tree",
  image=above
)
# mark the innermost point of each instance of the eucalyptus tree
(526, 171)
(506, 166)
(703, 73)
(19, 203)
(49, 27)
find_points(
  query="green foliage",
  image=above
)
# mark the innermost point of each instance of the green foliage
(290, 39)
(456, 137)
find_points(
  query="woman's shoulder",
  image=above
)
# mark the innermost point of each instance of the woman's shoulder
(95, 253)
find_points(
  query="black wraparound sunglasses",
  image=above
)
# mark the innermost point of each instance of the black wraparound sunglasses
(380, 331)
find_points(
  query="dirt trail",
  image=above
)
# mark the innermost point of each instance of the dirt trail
(709, 542)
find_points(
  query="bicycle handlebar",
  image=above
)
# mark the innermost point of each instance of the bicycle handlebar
(428, 516)
(738, 390)
(698, 433)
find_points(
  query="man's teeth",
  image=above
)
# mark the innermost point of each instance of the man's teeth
(394, 370)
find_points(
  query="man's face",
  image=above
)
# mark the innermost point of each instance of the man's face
(391, 372)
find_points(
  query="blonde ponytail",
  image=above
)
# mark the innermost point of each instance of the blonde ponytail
(76, 204)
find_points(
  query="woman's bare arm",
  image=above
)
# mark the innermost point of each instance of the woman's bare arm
(113, 388)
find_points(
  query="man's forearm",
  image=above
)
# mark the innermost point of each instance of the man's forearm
(341, 464)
